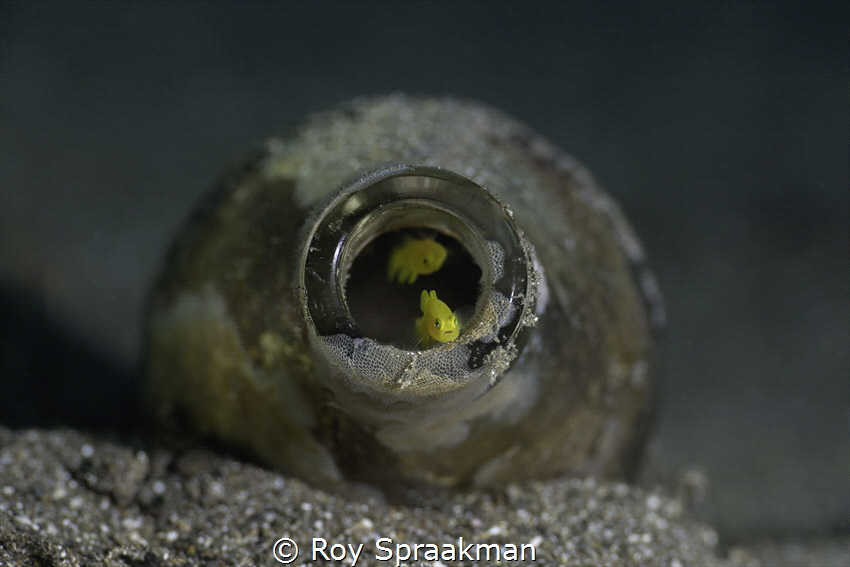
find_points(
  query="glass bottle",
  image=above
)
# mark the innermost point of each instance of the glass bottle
(293, 317)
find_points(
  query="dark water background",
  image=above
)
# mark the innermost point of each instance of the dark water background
(722, 128)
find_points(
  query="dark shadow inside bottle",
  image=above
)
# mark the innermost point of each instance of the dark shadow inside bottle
(386, 310)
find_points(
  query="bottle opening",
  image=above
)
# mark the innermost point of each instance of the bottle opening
(362, 286)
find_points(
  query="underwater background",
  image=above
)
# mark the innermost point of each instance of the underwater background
(723, 129)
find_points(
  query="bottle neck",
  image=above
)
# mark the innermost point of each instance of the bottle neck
(486, 277)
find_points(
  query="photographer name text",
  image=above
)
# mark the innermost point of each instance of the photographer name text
(389, 551)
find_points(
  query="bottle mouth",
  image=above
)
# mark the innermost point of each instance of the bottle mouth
(349, 288)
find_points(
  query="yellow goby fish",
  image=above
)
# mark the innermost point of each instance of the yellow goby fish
(414, 258)
(438, 323)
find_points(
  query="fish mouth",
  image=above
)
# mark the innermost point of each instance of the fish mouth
(447, 333)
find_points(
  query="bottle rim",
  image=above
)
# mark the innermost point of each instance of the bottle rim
(421, 197)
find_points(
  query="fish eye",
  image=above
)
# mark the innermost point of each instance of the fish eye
(454, 321)
(437, 323)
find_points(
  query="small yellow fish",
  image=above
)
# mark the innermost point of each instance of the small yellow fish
(437, 323)
(415, 257)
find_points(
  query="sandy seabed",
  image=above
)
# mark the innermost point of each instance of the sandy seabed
(73, 499)
(70, 499)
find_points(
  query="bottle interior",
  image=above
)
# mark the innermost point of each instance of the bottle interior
(386, 310)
